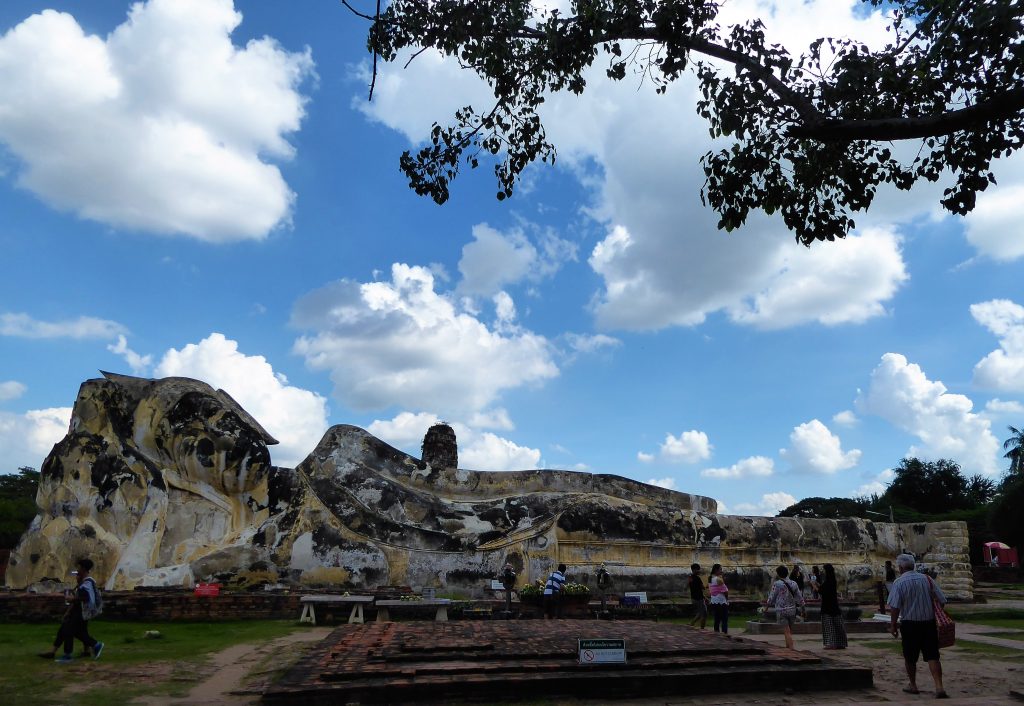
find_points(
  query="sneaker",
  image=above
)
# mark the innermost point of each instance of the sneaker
(97, 650)
(64, 659)
(48, 655)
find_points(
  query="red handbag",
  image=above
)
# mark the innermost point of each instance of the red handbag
(943, 623)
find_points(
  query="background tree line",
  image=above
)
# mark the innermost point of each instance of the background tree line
(932, 491)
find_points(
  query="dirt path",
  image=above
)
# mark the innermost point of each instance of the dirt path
(225, 682)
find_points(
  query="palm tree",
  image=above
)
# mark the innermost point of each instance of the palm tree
(1015, 446)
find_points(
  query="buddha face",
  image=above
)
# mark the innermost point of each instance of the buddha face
(206, 442)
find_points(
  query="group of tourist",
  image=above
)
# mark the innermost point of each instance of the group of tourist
(911, 599)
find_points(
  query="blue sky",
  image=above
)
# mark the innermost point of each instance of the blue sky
(200, 188)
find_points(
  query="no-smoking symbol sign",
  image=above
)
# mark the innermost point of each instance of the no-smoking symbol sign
(588, 655)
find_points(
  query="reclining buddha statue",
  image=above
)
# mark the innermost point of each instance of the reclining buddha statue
(168, 482)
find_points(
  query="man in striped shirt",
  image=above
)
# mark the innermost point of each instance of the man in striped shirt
(553, 593)
(910, 605)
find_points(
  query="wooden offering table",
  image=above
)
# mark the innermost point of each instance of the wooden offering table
(309, 604)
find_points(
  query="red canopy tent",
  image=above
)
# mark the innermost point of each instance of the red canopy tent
(999, 554)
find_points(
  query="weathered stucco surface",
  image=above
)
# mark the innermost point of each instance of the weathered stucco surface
(168, 482)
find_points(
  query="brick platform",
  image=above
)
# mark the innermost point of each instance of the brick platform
(498, 661)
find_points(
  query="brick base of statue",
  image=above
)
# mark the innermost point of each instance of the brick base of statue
(494, 661)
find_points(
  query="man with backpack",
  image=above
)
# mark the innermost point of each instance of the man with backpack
(84, 604)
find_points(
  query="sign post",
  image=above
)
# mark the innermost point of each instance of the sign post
(602, 651)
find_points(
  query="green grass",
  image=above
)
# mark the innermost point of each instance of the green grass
(971, 648)
(980, 649)
(997, 618)
(131, 664)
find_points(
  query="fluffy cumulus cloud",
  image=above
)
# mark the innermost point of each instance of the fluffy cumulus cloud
(495, 259)
(489, 452)
(402, 343)
(876, 485)
(667, 482)
(689, 447)
(998, 407)
(297, 418)
(26, 439)
(663, 262)
(24, 326)
(138, 363)
(770, 505)
(162, 126)
(994, 227)
(1002, 369)
(755, 466)
(846, 418)
(480, 451)
(11, 390)
(945, 424)
(815, 449)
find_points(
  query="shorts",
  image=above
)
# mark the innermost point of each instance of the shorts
(700, 608)
(786, 616)
(919, 637)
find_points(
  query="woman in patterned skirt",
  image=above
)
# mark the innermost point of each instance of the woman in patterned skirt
(833, 632)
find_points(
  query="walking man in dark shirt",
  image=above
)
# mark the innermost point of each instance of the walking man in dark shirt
(700, 605)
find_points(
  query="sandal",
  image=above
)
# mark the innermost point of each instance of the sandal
(913, 690)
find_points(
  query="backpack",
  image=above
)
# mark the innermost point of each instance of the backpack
(95, 605)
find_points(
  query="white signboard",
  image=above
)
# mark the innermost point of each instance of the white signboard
(497, 585)
(642, 595)
(602, 651)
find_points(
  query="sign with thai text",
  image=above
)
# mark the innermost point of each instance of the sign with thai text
(602, 651)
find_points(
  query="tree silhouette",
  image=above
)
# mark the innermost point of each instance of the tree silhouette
(809, 133)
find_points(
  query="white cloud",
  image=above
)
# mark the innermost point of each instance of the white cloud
(405, 430)
(494, 259)
(644, 458)
(815, 449)
(994, 227)
(585, 343)
(663, 261)
(489, 452)
(477, 451)
(998, 407)
(668, 483)
(902, 394)
(26, 439)
(689, 447)
(492, 419)
(24, 326)
(138, 363)
(504, 311)
(297, 418)
(11, 390)
(843, 282)
(162, 126)
(770, 505)
(1002, 369)
(401, 343)
(846, 418)
(747, 468)
(875, 486)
